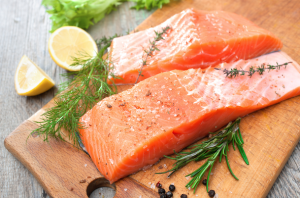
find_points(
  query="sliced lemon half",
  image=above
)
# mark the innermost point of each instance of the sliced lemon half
(30, 80)
(69, 42)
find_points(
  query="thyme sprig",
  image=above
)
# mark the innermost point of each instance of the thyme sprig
(148, 53)
(211, 149)
(105, 41)
(83, 89)
(234, 72)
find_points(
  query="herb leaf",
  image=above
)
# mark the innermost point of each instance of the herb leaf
(210, 149)
(77, 95)
(152, 48)
(234, 72)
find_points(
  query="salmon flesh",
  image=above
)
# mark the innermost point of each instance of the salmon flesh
(197, 39)
(169, 111)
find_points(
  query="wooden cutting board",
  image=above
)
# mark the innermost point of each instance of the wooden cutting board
(270, 134)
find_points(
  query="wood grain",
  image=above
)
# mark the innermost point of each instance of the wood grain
(62, 169)
(280, 17)
(265, 145)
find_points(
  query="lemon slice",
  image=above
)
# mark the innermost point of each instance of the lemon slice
(30, 80)
(69, 42)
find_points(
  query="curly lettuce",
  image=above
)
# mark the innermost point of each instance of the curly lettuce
(149, 4)
(83, 13)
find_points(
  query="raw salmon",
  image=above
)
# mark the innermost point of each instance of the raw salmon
(197, 39)
(169, 111)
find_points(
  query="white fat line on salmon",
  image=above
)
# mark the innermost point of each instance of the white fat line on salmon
(209, 87)
(227, 89)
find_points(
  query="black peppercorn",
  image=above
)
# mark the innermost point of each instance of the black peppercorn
(158, 185)
(211, 193)
(163, 195)
(169, 194)
(183, 196)
(108, 106)
(161, 191)
(171, 187)
(204, 182)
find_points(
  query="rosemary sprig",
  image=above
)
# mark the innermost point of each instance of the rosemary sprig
(234, 72)
(77, 95)
(211, 149)
(152, 48)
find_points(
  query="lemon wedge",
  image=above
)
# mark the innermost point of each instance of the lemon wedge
(30, 80)
(69, 42)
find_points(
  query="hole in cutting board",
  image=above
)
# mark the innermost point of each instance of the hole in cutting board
(103, 192)
(100, 185)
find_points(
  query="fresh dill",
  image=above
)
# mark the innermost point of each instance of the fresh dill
(148, 53)
(234, 72)
(211, 149)
(83, 89)
(79, 94)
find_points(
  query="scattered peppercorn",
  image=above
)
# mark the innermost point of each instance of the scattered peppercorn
(108, 106)
(161, 191)
(158, 185)
(183, 196)
(169, 194)
(211, 193)
(148, 93)
(204, 182)
(163, 195)
(171, 187)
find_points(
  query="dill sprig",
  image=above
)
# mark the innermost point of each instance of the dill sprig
(76, 96)
(152, 48)
(211, 149)
(82, 90)
(234, 72)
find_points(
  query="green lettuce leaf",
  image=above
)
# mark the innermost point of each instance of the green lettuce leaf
(80, 13)
(83, 13)
(149, 4)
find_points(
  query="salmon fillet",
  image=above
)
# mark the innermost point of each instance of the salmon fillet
(169, 111)
(197, 39)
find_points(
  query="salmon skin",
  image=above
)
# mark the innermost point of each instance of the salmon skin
(197, 39)
(169, 111)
